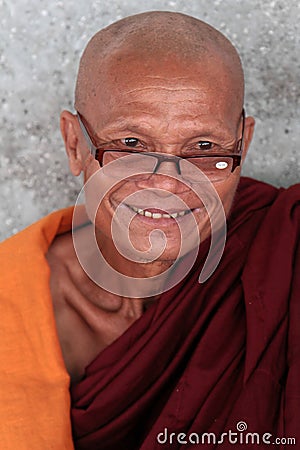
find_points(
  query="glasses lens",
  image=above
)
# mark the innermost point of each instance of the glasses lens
(215, 168)
(119, 164)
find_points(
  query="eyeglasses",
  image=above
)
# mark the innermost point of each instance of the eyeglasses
(215, 166)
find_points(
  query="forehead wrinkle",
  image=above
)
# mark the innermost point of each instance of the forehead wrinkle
(123, 124)
(170, 79)
(191, 95)
(163, 88)
(144, 128)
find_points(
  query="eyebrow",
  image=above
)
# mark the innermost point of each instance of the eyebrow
(122, 125)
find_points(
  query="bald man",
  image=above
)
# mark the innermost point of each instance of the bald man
(167, 313)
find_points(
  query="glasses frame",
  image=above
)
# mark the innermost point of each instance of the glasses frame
(95, 151)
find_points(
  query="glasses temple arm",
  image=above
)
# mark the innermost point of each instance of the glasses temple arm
(92, 147)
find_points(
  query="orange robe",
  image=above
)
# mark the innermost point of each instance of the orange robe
(34, 384)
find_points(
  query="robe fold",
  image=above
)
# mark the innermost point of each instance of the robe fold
(218, 357)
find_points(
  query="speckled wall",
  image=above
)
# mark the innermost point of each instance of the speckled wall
(40, 45)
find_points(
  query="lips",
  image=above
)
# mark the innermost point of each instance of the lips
(159, 214)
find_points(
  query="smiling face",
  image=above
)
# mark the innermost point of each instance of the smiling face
(160, 104)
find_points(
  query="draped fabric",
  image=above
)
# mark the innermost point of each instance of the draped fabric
(34, 383)
(209, 358)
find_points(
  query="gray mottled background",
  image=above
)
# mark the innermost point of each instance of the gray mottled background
(40, 45)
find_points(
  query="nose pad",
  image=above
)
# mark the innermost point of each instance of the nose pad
(166, 177)
(170, 166)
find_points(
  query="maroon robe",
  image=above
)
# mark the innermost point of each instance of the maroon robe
(208, 356)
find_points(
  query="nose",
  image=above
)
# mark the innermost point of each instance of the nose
(166, 177)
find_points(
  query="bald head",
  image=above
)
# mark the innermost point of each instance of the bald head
(156, 36)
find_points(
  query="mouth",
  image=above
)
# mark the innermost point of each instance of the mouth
(157, 214)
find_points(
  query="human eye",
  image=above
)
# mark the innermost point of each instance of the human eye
(131, 142)
(199, 147)
(204, 145)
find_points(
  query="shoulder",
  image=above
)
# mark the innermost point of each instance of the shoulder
(253, 195)
(279, 209)
(272, 259)
(22, 256)
(265, 222)
(41, 233)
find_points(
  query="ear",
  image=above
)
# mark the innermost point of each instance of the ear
(248, 134)
(69, 129)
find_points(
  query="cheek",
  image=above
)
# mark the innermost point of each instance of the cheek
(227, 191)
(90, 166)
(102, 220)
(111, 208)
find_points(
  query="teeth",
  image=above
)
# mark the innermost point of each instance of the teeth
(158, 215)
